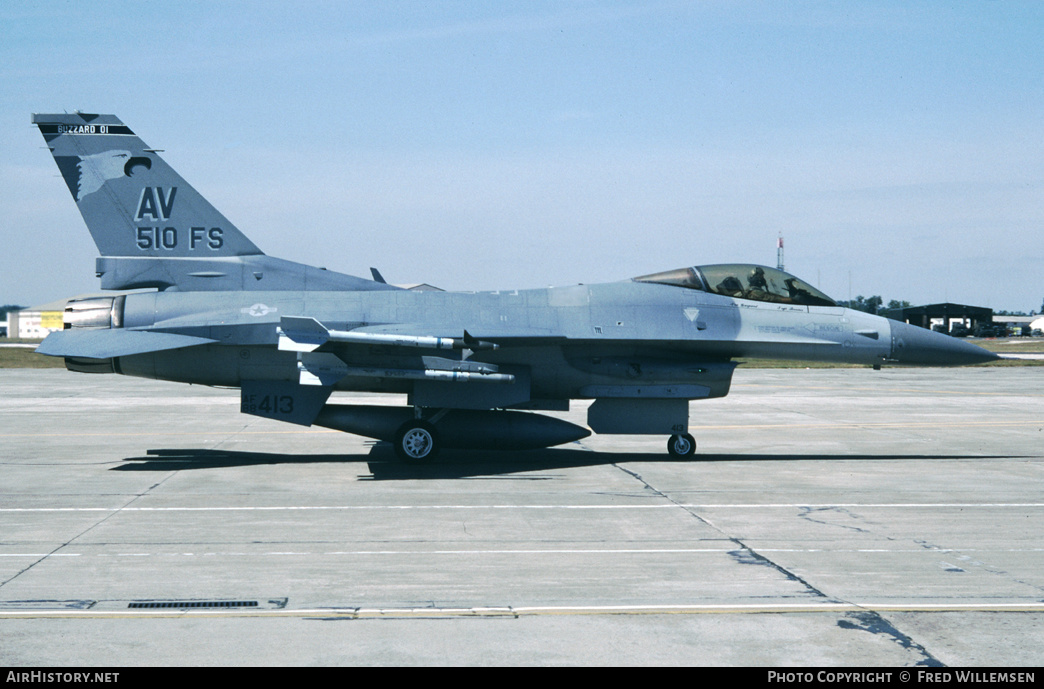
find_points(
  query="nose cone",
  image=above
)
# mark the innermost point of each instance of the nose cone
(921, 347)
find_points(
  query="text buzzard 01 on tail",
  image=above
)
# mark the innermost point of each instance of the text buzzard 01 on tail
(474, 365)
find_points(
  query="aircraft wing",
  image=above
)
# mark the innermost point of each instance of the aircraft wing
(324, 359)
(108, 343)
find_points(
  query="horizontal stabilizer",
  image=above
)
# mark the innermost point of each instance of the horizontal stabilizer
(105, 344)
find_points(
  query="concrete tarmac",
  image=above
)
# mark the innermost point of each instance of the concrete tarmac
(843, 517)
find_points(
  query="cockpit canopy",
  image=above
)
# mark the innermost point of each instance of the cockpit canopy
(757, 283)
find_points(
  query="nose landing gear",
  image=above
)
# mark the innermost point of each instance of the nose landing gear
(681, 446)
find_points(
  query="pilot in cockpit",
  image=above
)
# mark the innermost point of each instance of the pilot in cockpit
(757, 279)
(759, 288)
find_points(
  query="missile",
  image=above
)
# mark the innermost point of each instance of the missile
(428, 374)
(303, 334)
(324, 368)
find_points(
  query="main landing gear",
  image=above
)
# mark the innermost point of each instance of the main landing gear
(681, 446)
(417, 441)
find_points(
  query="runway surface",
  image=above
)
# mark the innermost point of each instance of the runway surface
(830, 517)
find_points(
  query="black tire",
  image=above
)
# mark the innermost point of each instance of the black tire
(416, 442)
(681, 446)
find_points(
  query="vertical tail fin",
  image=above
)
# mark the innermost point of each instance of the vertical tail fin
(153, 229)
(135, 204)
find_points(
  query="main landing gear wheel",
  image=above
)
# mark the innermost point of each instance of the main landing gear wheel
(416, 441)
(681, 446)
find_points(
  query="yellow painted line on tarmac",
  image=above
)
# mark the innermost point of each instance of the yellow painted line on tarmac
(224, 433)
(886, 390)
(534, 611)
(883, 424)
(527, 507)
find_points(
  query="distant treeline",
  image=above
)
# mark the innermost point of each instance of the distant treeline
(875, 304)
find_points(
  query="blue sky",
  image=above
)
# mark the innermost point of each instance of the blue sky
(897, 146)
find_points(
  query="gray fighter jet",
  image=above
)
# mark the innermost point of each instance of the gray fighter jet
(474, 365)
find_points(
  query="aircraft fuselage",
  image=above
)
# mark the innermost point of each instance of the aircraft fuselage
(579, 324)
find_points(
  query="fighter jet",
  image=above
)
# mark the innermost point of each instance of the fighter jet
(195, 301)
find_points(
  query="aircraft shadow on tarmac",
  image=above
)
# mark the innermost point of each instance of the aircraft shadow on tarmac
(383, 465)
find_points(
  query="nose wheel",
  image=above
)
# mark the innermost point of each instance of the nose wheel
(681, 446)
(416, 441)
